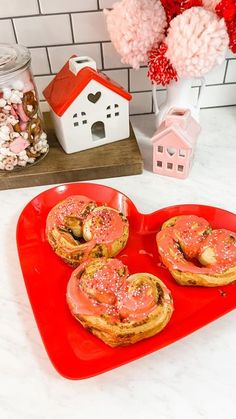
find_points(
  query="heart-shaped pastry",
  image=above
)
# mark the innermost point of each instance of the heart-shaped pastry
(195, 254)
(77, 230)
(118, 308)
(94, 98)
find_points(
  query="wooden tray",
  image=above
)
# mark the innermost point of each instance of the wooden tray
(121, 158)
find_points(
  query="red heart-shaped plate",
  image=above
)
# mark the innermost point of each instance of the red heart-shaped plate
(74, 352)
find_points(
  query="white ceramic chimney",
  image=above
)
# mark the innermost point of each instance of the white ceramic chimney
(77, 63)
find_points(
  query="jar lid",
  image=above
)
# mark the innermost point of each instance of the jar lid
(13, 58)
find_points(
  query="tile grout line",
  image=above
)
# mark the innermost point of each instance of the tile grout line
(39, 6)
(152, 113)
(14, 30)
(71, 28)
(226, 68)
(102, 56)
(128, 80)
(68, 44)
(50, 14)
(49, 62)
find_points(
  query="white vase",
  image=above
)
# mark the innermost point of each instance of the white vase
(179, 95)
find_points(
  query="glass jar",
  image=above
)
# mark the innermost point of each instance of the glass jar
(23, 140)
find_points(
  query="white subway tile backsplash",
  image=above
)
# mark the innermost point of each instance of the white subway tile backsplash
(58, 6)
(111, 58)
(39, 61)
(46, 28)
(161, 97)
(41, 83)
(221, 95)
(120, 76)
(18, 8)
(230, 54)
(90, 27)
(139, 80)
(141, 103)
(43, 30)
(106, 4)
(59, 55)
(216, 76)
(231, 72)
(6, 32)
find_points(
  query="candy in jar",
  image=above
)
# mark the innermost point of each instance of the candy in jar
(23, 140)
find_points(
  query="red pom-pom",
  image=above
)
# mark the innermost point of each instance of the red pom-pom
(227, 10)
(176, 7)
(160, 69)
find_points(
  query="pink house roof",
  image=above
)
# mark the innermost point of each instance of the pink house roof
(66, 86)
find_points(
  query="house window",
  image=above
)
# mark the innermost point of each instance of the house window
(112, 110)
(159, 163)
(180, 168)
(182, 152)
(79, 118)
(170, 166)
(160, 149)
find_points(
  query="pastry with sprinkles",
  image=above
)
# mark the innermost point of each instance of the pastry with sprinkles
(195, 254)
(77, 229)
(118, 308)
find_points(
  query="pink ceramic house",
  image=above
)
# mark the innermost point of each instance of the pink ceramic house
(174, 143)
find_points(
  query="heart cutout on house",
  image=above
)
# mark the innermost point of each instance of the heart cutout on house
(94, 98)
(171, 151)
(46, 276)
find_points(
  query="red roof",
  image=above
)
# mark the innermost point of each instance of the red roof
(66, 86)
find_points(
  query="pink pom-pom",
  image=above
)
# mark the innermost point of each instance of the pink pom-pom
(197, 41)
(134, 27)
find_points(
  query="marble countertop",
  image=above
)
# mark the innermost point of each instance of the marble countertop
(193, 378)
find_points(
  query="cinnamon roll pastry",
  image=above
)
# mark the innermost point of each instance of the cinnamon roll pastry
(77, 232)
(195, 254)
(118, 308)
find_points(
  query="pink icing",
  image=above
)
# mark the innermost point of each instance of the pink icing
(223, 242)
(137, 303)
(190, 229)
(173, 257)
(106, 225)
(96, 295)
(108, 292)
(71, 206)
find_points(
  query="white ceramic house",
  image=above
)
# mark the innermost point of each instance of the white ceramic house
(88, 109)
(174, 144)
